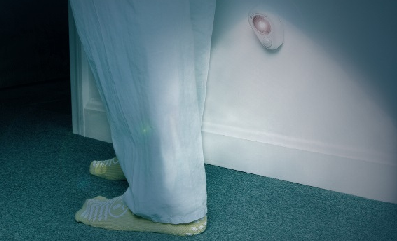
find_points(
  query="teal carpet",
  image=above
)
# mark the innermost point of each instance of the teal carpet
(44, 180)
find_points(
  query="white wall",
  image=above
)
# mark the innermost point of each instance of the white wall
(320, 111)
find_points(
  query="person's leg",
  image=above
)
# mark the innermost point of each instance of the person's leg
(142, 56)
(202, 16)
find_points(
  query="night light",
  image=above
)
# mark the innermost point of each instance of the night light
(268, 28)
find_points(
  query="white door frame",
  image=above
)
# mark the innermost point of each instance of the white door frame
(88, 113)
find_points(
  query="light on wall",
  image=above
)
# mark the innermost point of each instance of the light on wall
(268, 28)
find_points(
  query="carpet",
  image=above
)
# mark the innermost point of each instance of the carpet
(44, 180)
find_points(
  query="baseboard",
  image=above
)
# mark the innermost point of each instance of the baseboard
(306, 162)
(95, 114)
(299, 144)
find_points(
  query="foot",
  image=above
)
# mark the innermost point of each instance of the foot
(108, 169)
(114, 214)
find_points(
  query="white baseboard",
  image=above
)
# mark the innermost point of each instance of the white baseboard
(309, 163)
(98, 127)
(299, 144)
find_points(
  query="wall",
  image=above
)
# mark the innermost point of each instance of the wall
(319, 111)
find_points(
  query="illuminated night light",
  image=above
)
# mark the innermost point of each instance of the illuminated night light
(261, 24)
(268, 28)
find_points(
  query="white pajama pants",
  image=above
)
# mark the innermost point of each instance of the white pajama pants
(150, 60)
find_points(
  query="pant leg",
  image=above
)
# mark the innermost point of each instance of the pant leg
(202, 17)
(142, 54)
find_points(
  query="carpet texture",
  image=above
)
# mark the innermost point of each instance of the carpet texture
(45, 179)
